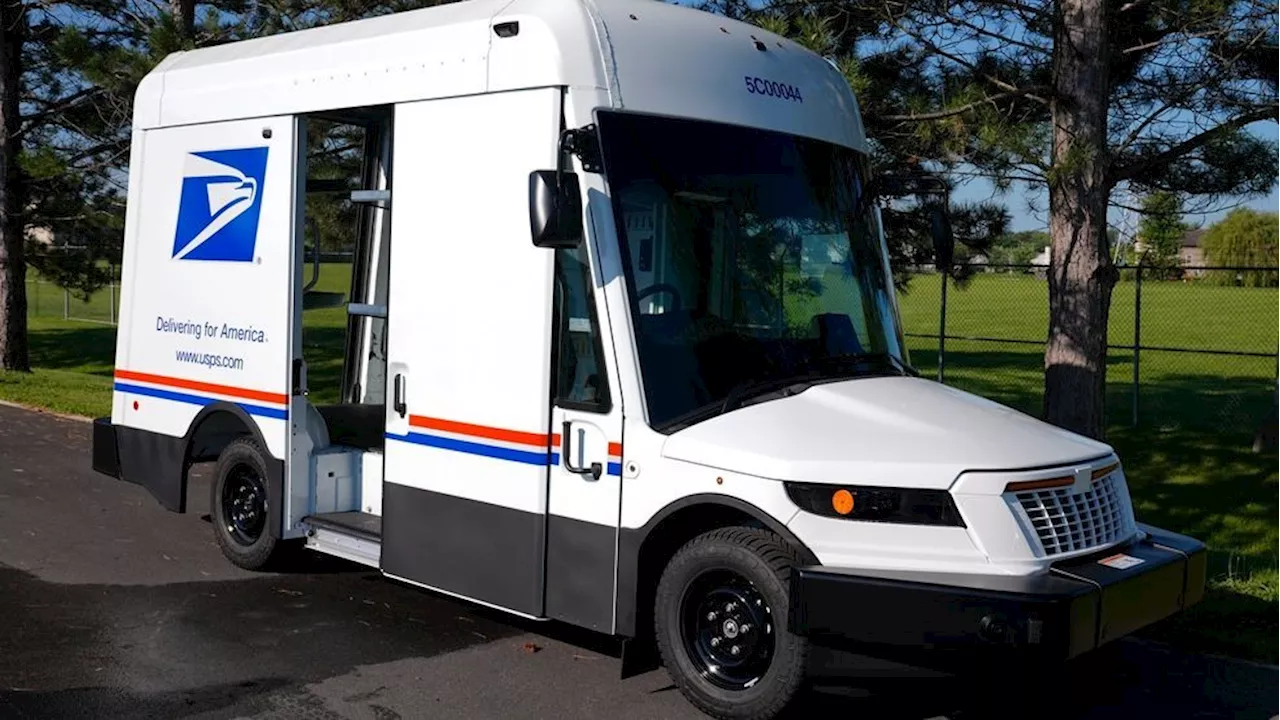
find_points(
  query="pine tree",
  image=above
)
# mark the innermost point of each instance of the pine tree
(1083, 96)
(13, 291)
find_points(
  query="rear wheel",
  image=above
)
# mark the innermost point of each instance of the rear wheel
(720, 619)
(241, 507)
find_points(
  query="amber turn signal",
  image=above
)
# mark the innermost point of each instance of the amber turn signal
(842, 501)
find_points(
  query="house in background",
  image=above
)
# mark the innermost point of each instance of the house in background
(1190, 254)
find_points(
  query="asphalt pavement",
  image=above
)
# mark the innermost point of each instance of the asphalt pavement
(111, 607)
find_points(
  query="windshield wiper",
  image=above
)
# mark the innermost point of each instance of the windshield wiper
(831, 368)
(751, 390)
(837, 362)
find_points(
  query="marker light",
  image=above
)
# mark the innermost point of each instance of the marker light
(842, 501)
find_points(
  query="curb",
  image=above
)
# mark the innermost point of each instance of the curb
(45, 411)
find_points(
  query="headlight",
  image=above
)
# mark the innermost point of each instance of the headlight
(876, 504)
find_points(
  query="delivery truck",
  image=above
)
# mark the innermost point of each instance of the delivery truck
(620, 349)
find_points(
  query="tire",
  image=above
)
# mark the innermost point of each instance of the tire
(240, 507)
(742, 575)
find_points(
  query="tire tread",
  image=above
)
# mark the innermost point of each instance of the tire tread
(778, 555)
(270, 553)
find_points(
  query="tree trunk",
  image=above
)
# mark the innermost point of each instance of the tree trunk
(184, 14)
(13, 270)
(1081, 275)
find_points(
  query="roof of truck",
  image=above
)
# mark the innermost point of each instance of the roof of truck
(646, 54)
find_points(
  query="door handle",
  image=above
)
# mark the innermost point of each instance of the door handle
(398, 401)
(596, 469)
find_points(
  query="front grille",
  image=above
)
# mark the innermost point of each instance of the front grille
(1066, 521)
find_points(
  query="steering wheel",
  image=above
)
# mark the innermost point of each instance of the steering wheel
(677, 302)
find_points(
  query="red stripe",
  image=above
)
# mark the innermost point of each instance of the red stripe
(277, 398)
(484, 431)
(615, 449)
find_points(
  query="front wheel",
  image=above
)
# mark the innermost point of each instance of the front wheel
(720, 620)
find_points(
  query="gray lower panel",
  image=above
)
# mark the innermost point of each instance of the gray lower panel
(580, 559)
(482, 551)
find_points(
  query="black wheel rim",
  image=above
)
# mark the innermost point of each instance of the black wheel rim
(727, 628)
(244, 505)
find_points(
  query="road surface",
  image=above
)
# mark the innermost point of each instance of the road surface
(111, 607)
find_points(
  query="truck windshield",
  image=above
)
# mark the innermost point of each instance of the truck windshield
(753, 262)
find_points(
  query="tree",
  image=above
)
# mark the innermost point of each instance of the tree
(1160, 234)
(1244, 239)
(13, 291)
(68, 73)
(183, 14)
(1083, 96)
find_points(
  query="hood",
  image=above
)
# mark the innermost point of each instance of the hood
(895, 431)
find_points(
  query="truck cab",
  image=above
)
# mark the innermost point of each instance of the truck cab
(619, 347)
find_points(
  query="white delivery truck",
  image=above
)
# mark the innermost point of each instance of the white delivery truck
(622, 351)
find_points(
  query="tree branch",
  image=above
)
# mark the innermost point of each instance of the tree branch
(951, 112)
(67, 103)
(1131, 170)
(962, 62)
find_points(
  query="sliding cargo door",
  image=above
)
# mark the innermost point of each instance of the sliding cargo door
(468, 384)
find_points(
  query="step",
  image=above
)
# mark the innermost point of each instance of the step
(353, 536)
(355, 523)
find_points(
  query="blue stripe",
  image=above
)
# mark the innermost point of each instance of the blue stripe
(543, 458)
(615, 469)
(276, 413)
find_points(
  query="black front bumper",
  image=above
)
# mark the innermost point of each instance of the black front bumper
(956, 620)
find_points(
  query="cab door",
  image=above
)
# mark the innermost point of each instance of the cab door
(584, 502)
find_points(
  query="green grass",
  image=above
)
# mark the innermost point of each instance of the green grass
(1189, 461)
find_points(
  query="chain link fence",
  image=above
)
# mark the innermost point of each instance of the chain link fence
(1193, 348)
(47, 300)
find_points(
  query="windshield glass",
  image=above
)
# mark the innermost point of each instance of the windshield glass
(752, 257)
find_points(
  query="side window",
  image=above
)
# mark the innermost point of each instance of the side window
(580, 378)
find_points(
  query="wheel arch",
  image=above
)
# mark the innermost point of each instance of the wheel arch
(214, 428)
(644, 551)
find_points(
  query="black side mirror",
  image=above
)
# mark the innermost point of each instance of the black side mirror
(943, 241)
(555, 209)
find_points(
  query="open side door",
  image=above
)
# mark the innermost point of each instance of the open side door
(468, 421)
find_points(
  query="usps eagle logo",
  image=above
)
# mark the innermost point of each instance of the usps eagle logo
(220, 205)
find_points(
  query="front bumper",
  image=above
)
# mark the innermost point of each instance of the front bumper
(956, 620)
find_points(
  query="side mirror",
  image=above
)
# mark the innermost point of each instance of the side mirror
(943, 240)
(555, 209)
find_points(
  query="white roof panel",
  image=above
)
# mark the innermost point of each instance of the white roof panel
(649, 55)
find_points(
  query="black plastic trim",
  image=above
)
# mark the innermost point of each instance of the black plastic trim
(487, 552)
(160, 462)
(580, 565)
(950, 621)
(156, 462)
(106, 454)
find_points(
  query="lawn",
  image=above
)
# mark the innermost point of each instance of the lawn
(1189, 459)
